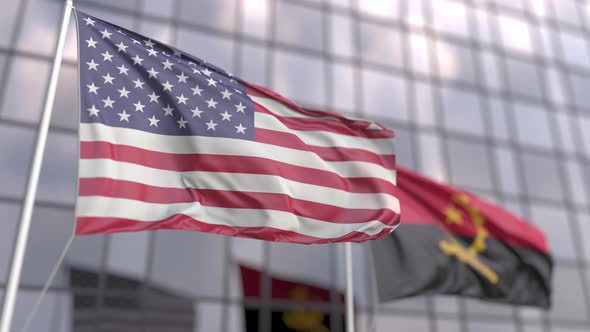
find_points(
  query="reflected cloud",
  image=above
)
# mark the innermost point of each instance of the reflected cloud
(515, 34)
(447, 61)
(379, 8)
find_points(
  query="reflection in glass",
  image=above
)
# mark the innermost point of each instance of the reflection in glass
(542, 176)
(555, 222)
(523, 78)
(470, 165)
(381, 45)
(299, 77)
(300, 26)
(384, 96)
(450, 17)
(515, 34)
(532, 125)
(19, 81)
(210, 13)
(575, 49)
(462, 111)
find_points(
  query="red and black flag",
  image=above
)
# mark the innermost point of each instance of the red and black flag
(299, 310)
(452, 242)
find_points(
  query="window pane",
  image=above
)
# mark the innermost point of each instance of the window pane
(575, 49)
(431, 161)
(515, 34)
(420, 49)
(424, 104)
(415, 13)
(470, 165)
(214, 49)
(40, 27)
(584, 124)
(343, 87)
(127, 254)
(580, 86)
(59, 173)
(381, 45)
(384, 96)
(523, 78)
(197, 267)
(491, 70)
(163, 8)
(401, 323)
(65, 107)
(499, 117)
(300, 77)
(16, 151)
(256, 18)
(302, 263)
(555, 223)
(10, 215)
(341, 35)
(8, 19)
(583, 220)
(50, 229)
(405, 153)
(568, 295)
(386, 9)
(577, 182)
(455, 62)
(532, 124)
(450, 17)
(555, 86)
(542, 176)
(567, 11)
(462, 111)
(566, 133)
(253, 66)
(486, 326)
(20, 84)
(210, 13)
(507, 168)
(299, 26)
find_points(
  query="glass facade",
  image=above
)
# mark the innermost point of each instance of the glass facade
(489, 95)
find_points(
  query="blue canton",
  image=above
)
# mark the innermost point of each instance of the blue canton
(130, 81)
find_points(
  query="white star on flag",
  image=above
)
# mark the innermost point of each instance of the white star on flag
(153, 121)
(211, 125)
(124, 116)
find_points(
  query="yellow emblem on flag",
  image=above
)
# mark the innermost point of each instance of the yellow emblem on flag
(304, 320)
(469, 255)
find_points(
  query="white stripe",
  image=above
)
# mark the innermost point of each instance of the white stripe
(98, 206)
(231, 147)
(107, 168)
(319, 138)
(380, 146)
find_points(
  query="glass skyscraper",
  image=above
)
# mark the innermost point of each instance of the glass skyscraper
(492, 96)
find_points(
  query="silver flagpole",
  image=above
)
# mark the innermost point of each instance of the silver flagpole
(29, 202)
(349, 289)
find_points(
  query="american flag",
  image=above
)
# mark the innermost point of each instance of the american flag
(170, 141)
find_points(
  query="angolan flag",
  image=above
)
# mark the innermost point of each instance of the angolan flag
(453, 242)
(169, 141)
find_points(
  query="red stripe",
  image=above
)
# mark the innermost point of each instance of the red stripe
(256, 90)
(232, 164)
(292, 141)
(351, 128)
(232, 199)
(96, 225)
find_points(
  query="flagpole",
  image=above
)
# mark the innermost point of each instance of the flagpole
(33, 181)
(349, 289)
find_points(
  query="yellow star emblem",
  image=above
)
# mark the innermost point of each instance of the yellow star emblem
(453, 216)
